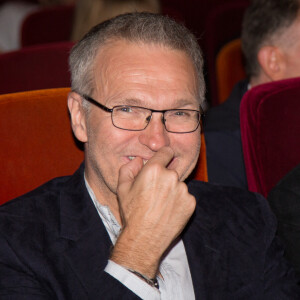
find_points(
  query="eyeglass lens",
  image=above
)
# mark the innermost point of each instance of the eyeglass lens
(137, 118)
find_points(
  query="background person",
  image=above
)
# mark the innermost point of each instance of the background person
(271, 46)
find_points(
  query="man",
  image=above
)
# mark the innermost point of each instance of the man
(126, 225)
(271, 46)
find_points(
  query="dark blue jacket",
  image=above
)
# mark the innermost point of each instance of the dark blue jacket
(53, 245)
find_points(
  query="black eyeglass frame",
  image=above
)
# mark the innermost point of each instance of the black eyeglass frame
(110, 110)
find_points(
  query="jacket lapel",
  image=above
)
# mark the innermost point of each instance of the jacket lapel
(205, 251)
(89, 243)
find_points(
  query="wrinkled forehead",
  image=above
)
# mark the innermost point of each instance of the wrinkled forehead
(121, 58)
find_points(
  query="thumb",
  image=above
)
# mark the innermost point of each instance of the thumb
(129, 171)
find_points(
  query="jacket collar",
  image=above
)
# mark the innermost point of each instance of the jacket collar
(88, 241)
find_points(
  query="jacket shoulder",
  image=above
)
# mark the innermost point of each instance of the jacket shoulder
(233, 205)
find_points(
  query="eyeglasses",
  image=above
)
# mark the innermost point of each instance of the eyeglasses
(136, 118)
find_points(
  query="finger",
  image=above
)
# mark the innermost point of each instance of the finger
(163, 157)
(129, 171)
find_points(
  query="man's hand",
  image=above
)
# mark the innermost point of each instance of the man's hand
(155, 207)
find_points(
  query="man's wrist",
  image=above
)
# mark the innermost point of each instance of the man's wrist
(129, 253)
(132, 282)
(151, 281)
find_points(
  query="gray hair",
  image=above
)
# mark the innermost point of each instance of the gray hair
(134, 27)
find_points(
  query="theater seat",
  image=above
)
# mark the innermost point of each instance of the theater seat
(37, 143)
(223, 24)
(36, 67)
(270, 131)
(47, 25)
(200, 172)
(229, 68)
(36, 140)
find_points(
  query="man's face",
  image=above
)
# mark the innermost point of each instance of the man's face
(144, 75)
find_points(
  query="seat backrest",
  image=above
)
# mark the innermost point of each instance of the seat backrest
(38, 144)
(36, 67)
(47, 25)
(270, 130)
(36, 140)
(200, 172)
(229, 68)
(223, 24)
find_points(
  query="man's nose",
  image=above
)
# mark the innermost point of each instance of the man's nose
(155, 135)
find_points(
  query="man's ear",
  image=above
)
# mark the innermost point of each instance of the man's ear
(78, 116)
(272, 62)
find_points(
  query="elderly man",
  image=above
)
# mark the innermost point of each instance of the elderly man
(128, 224)
(271, 46)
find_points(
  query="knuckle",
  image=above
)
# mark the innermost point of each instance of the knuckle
(190, 200)
(173, 175)
(183, 187)
(192, 203)
(190, 206)
(156, 168)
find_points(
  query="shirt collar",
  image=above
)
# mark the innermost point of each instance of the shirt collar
(110, 222)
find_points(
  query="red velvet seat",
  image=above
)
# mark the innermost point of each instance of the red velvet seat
(47, 25)
(222, 25)
(270, 130)
(36, 67)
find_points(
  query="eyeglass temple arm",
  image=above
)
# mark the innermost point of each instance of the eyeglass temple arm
(93, 101)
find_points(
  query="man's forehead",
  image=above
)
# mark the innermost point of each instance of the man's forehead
(122, 44)
(121, 64)
(121, 55)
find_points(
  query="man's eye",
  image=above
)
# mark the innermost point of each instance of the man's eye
(180, 113)
(125, 109)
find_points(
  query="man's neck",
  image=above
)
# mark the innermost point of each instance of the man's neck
(260, 79)
(105, 197)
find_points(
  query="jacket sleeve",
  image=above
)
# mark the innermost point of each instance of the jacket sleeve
(279, 277)
(19, 282)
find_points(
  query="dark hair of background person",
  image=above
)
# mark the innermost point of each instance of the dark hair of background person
(263, 21)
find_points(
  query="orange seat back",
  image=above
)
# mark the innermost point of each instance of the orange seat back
(200, 172)
(36, 140)
(229, 68)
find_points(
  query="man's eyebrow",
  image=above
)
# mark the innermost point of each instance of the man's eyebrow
(185, 102)
(132, 101)
(138, 102)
